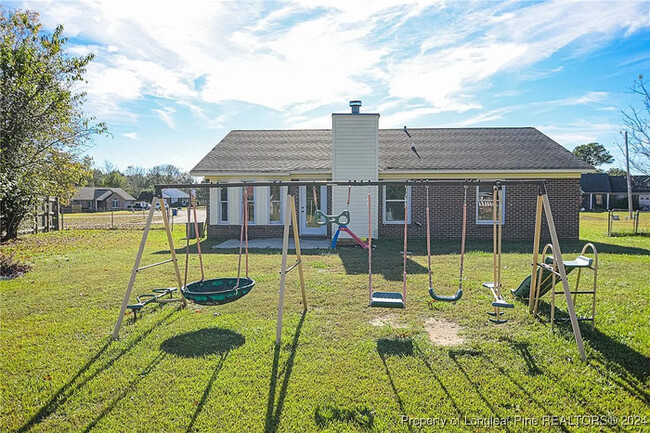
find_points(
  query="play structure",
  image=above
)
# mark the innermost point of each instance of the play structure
(220, 291)
(341, 220)
(546, 277)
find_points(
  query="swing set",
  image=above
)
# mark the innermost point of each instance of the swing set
(223, 290)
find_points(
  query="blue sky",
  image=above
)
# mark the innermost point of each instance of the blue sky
(172, 78)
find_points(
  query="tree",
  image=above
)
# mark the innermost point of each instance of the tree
(137, 177)
(115, 179)
(636, 121)
(593, 153)
(42, 125)
(615, 171)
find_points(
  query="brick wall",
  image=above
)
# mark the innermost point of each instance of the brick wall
(261, 231)
(446, 203)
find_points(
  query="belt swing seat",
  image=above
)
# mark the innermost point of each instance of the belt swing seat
(386, 299)
(459, 293)
(219, 291)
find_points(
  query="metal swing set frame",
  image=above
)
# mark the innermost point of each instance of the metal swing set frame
(543, 204)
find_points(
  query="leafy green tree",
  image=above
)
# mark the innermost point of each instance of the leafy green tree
(115, 179)
(593, 153)
(42, 125)
(616, 172)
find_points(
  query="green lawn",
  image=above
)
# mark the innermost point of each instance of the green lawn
(341, 367)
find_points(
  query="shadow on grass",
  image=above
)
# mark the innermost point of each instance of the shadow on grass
(203, 342)
(148, 369)
(273, 410)
(77, 382)
(399, 347)
(439, 246)
(327, 415)
(387, 263)
(455, 356)
(632, 367)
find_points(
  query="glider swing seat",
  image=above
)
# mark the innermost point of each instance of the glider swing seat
(386, 299)
(341, 220)
(459, 293)
(219, 291)
(497, 234)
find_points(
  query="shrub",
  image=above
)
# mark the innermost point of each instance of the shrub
(10, 267)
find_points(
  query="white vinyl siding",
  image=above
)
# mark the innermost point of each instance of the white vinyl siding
(355, 141)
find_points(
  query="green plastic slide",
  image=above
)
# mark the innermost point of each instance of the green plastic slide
(547, 277)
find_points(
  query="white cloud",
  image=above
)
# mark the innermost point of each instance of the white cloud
(166, 115)
(295, 57)
(536, 107)
(131, 135)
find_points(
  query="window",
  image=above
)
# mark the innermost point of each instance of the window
(485, 204)
(116, 203)
(250, 197)
(223, 205)
(599, 199)
(275, 205)
(394, 200)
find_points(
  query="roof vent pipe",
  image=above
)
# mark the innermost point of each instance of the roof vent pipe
(355, 106)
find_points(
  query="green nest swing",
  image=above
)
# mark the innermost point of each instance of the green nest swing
(218, 291)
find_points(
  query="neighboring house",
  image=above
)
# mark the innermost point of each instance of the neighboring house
(175, 197)
(356, 149)
(601, 191)
(92, 199)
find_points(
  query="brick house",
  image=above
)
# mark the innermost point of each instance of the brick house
(92, 199)
(356, 149)
(602, 191)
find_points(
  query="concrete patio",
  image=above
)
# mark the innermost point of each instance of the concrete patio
(276, 243)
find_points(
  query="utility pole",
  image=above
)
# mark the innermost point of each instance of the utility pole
(630, 205)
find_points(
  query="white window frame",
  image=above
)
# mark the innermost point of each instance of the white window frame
(503, 207)
(281, 221)
(408, 199)
(241, 207)
(220, 202)
(115, 203)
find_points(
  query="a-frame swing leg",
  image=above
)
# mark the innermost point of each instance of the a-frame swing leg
(296, 240)
(289, 215)
(134, 271)
(557, 257)
(138, 258)
(536, 242)
(170, 242)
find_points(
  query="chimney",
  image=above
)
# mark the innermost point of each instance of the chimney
(355, 156)
(355, 106)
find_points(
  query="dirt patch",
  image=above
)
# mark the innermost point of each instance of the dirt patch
(443, 332)
(390, 320)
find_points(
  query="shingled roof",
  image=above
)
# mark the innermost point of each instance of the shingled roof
(100, 193)
(601, 183)
(440, 149)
